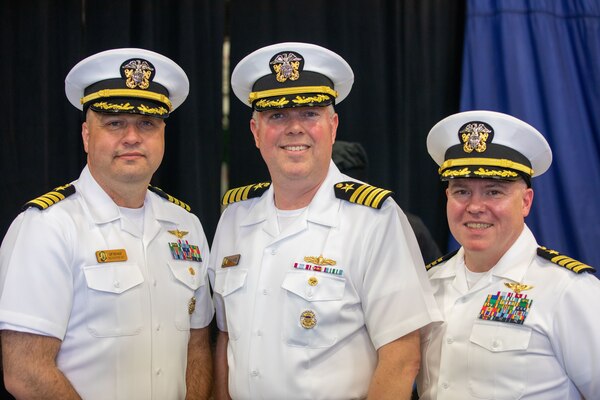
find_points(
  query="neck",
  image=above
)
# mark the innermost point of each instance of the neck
(292, 197)
(128, 194)
(479, 262)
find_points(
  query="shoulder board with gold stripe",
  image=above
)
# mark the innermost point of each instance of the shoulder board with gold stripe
(51, 198)
(361, 193)
(441, 260)
(564, 261)
(167, 196)
(245, 193)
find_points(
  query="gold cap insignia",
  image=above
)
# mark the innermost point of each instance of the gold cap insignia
(137, 73)
(319, 260)
(517, 287)
(308, 319)
(474, 137)
(286, 66)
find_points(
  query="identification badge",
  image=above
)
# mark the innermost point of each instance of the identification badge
(230, 261)
(115, 255)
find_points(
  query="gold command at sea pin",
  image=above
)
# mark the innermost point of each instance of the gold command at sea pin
(319, 264)
(113, 255)
(230, 261)
(509, 307)
(192, 305)
(308, 319)
(182, 249)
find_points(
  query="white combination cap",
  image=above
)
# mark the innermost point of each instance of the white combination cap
(127, 80)
(488, 144)
(291, 74)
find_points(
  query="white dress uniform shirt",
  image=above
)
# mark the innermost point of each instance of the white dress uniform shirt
(376, 292)
(124, 325)
(553, 354)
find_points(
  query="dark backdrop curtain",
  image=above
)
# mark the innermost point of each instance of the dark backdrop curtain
(40, 135)
(406, 59)
(540, 61)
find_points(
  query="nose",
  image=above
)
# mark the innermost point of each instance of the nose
(131, 135)
(294, 125)
(476, 204)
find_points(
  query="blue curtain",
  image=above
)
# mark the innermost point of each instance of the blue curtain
(539, 60)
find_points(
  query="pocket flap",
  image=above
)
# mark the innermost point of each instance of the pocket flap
(113, 278)
(229, 281)
(190, 274)
(314, 286)
(497, 337)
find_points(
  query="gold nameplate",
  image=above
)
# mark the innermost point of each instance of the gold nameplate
(105, 256)
(230, 261)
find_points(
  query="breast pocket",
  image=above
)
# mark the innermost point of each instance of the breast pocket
(230, 284)
(497, 360)
(114, 305)
(312, 308)
(188, 277)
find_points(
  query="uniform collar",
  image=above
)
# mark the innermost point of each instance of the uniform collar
(323, 208)
(103, 209)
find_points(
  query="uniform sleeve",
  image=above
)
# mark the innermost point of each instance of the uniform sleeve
(214, 264)
(397, 296)
(576, 338)
(204, 311)
(36, 279)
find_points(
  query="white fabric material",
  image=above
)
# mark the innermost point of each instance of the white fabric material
(124, 325)
(554, 355)
(382, 295)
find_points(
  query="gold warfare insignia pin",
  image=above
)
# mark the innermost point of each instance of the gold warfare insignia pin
(137, 73)
(517, 287)
(319, 260)
(308, 319)
(286, 65)
(115, 255)
(192, 305)
(178, 233)
(474, 136)
(230, 261)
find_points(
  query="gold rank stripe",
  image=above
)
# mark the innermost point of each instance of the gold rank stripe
(46, 200)
(167, 196)
(569, 263)
(564, 261)
(244, 193)
(369, 195)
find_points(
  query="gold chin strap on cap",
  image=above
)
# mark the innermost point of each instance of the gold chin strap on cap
(490, 162)
(291, 90)
(138, 94)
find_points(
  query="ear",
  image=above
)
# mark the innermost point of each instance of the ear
(85, 135)
(527, 201)
(254, 130)
(334, 125)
